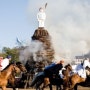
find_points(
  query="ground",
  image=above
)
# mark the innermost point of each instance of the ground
(80, 88)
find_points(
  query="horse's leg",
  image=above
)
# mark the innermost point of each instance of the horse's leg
(44, 86)
(72, 87)
(12, 82)
(57, 87)
(50, 86)
(3, 87)
(40, 84)
(13, 85)
(37, 88)
(27, 81)
(75, 87)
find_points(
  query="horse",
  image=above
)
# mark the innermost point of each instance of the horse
(58, 81)
(5, 75)
(66, 72)
(33, 67)
(77, 77)
(12, 79)
(86, 83)
(54, 80)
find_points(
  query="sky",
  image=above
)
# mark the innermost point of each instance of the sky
(67, 21)
(14, 22)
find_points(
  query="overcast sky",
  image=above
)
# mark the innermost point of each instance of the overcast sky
(68, 22)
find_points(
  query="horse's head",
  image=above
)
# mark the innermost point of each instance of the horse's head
(14, 68)
(68, 67)
(21, 67)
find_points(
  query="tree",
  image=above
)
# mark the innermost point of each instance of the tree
(14, 52)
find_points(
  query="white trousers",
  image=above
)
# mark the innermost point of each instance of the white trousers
(41, 23)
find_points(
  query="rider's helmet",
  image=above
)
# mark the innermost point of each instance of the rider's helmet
(9, 56)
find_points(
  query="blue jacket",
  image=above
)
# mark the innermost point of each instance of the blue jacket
(53, 69)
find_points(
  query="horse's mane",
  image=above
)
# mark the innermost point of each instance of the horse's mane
(67, 66)
(18, 63)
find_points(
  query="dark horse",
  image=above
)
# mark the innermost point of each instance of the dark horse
(32, 67)
(58, 81)
(53, 80)
(5, 75)
(12, 79)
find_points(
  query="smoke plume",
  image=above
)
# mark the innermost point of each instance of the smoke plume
(31, 51)
(68, 23)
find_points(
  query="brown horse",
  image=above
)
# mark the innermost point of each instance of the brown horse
(5, 74)
(21, 67)
(85, 83)
(66, 75)
(75, 79)
(71, 80)
(12, 79)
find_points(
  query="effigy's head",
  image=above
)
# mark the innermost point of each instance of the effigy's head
(41, 9)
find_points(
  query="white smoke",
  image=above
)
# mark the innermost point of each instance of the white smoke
(31, 50)
(68, 23)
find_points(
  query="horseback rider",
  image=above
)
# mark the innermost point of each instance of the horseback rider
(49, 72)
(80, 69)
(53, 69)
(80, 75)
(5, 62)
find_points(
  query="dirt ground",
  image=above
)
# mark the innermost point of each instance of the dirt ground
(79, 88)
